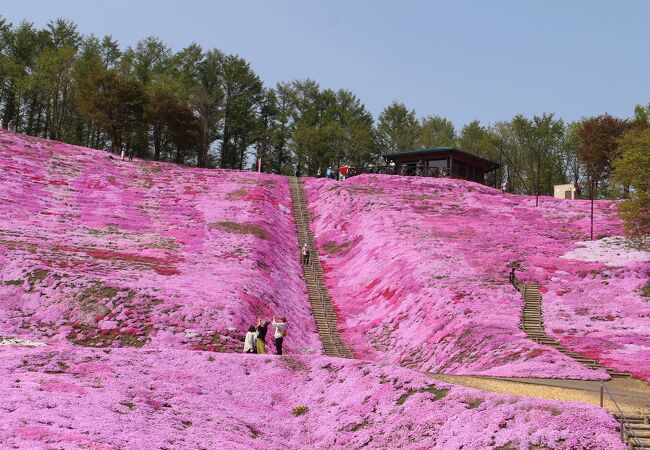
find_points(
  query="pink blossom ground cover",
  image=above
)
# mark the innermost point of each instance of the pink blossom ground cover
(599, 309)
(417, 269)
(125, 398)
(122, 284)
(105, 253)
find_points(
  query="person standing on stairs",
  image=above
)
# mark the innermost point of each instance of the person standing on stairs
(305, 254)
(262, 328)
(280, 333)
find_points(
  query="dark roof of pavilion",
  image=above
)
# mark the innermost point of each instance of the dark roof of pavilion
(432, 151)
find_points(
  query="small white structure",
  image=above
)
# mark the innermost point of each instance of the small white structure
(566, 191)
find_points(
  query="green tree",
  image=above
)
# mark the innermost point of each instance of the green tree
(280, 157)
(539, 140)
(567, 158)
(306, 109)
(436, 131)
(631, 168)
(347, 131)
(116, 104)
(476, 139)
(243, 94)
(642, 113)
(397, 129)
(598, 149)
(21, 47)
(52, 84)
(206, 97)
(149, 59)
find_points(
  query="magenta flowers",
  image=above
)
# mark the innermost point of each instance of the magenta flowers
(135, 283)
(417, 269)
(104, 253)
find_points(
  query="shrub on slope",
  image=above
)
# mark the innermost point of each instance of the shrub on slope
(418, 270)
(131, 399)
(104, 253)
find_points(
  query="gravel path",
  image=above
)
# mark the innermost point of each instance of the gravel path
(632, 396)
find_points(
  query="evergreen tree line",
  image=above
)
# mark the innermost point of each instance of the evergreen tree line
(210, 109)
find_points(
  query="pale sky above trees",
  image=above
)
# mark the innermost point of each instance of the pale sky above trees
(463, 60)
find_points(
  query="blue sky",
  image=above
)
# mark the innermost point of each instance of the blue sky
(465, 60)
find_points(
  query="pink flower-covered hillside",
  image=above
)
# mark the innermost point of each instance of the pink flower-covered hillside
(598, 303)
(105, 253)
(80, 398)
(418, 271)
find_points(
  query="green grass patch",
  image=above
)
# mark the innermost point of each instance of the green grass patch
(239, 193)
(332, 247)
(299, 410)
(241, 228)
(14, 282)
(645, 290)
(439, 393)
(38, 275)
(168, 243)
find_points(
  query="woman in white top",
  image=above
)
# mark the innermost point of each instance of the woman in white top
(249, 340)
(280, 333)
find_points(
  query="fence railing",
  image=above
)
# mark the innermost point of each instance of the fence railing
(623, 422)
(400, 169)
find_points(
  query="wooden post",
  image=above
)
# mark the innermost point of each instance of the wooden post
(602, 392)
(592, 210)
(622, 430)
(451, 165)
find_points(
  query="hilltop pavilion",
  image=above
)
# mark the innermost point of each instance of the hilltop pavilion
(443, 161)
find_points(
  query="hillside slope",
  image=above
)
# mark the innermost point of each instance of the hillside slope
(136, 398)
(100, 252)
(417, 269)
(137, 278)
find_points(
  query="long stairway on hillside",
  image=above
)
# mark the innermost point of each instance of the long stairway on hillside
(321, 304)
(532, 323)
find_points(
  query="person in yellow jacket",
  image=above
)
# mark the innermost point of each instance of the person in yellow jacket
(262, 328)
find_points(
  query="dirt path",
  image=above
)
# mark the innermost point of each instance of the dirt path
(632, 396)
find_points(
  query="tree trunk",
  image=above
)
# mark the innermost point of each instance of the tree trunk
(224, 145)
(156, 144)
(202, 159)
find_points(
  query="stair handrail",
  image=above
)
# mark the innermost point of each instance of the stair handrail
(624, 423)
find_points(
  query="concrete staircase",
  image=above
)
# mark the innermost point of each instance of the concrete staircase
(532, 323)
(321, 304)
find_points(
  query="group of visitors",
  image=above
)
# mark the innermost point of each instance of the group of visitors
(255, 340)
(123, 155)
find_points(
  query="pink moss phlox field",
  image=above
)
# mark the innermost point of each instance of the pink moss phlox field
(597, 307)
(80, 398)
(417, 269)
(100, 252)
